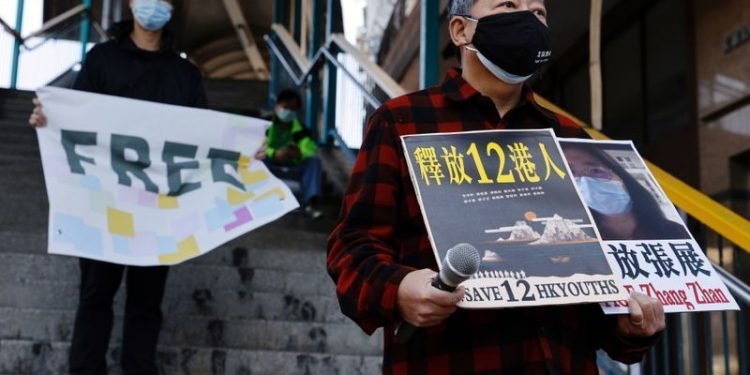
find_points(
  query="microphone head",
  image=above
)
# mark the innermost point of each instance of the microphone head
(460, 263)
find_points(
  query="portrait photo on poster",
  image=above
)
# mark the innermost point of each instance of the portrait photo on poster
(625, 201)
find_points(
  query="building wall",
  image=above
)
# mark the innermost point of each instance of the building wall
(723, 80)
(648, 82)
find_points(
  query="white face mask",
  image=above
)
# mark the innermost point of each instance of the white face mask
(152, 15)
(285, 114)
(499, 72)
(605, 196)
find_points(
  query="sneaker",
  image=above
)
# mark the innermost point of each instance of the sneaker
(312, 212)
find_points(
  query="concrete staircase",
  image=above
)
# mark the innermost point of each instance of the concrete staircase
(261, 304)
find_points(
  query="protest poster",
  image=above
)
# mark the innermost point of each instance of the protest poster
(645, 239)
(141, 183)
(510, 194)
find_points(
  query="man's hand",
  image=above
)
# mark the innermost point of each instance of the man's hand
(645, 318)
(294, 153)
(422, 305)
(281, 155)
(37, 118)
(261, 153)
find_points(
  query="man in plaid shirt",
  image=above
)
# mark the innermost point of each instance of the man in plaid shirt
(379, 255)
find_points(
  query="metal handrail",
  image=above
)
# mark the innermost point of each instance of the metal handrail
(11, 31)
(739, 289)
(380, 76)
(51, 25)
(291, 46)
(334, 43)
(54, 22)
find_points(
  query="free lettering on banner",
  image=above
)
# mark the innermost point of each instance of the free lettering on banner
(141, 183)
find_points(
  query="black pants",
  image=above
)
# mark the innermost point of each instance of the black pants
(99, 283)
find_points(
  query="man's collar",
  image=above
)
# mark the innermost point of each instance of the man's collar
(458, 90)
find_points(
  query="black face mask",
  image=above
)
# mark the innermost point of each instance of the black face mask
(517, 42)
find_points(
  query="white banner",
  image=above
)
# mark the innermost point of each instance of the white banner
(141, 183)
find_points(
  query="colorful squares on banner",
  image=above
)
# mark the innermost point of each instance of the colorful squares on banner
(73, 231)
(244, 162)
(242, 216)
(148, 199)
(187, 225)
(186, 249)
(166, 245)
(100, 200)
(253, 177)
(236, 197)
(266, 207)
(145, 244)
(277, 191)
(127, 195)
(90, 183)
(219, 216)
(166, 202)
(120, 222)
(121, 245)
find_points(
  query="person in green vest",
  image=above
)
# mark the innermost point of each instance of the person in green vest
(291, 150)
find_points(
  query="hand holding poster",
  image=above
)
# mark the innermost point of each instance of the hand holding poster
(510, 195)
(644, 237)
(140, 183)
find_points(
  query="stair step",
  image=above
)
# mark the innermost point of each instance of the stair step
(56, 270)
(233, 303)
(17, 151)
(205, 332)
(20, 138)
(29, 235)
(38, 357)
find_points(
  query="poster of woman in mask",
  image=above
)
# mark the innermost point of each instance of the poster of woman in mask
(644, 238)
(624, 200)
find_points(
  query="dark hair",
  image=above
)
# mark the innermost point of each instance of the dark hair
(648, 215)
(289, 95)
(459, 7)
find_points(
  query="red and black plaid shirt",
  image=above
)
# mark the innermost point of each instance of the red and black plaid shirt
(381, 237)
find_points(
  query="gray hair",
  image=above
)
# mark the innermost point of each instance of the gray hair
(460, 7)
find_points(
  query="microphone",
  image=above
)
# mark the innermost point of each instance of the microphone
(460, 263)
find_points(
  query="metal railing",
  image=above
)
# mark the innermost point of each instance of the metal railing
(54, 48)
(361, 87)
(695, 343)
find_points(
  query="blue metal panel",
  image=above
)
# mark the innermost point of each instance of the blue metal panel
(429, 43)
(313, 81)
(329, 105)
(280, 16)
(297, 21)
(85, 28)
(16, 46)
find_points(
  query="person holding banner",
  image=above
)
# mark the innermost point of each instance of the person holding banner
(379, 254)
(138, 63)
(622, 208)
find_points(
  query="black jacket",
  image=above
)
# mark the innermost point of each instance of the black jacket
(118, 67)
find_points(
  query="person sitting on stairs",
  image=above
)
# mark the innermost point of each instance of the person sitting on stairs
(291, 150)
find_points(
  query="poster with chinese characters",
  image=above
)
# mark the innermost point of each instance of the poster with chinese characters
(510, 194)
(644, 238)
(141, 183)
